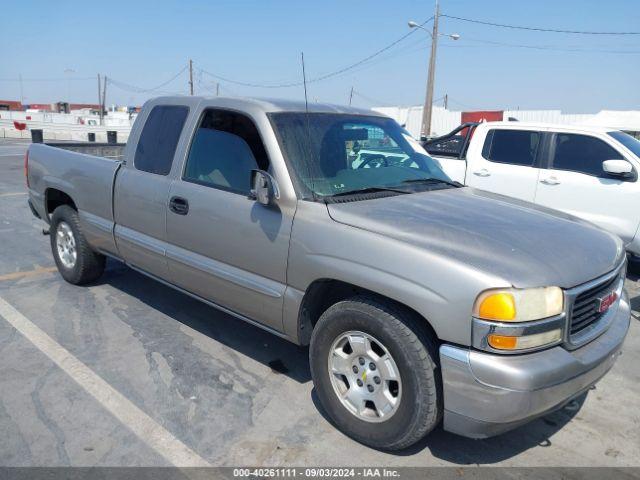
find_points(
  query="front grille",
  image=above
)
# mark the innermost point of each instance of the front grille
(585, 306)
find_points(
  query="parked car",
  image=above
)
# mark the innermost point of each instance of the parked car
(589, 172)
(422, 301)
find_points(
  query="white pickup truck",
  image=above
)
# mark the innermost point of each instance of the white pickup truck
(589, 172)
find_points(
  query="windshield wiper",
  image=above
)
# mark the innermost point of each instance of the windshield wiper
(369, 190)
(433, 181)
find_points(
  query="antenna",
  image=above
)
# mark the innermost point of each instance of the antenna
(304, 81)
(306, 114)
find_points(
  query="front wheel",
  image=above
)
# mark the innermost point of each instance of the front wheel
(76, 261)
(376, 374)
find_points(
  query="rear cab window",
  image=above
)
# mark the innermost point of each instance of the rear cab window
(513, 147)
(159, 139)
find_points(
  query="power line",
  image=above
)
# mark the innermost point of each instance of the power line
(380, 103)
(45, 79)
(551, 47)
(537, 29)
(372, 100)
(360, 62)
(132, 88)
(463, 105)
(247, 84)
(136, 90)
(568, 48)
(320, 77)
(488, 43)
(217, 88)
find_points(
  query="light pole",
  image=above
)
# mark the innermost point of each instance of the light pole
(425, 130)
(68, 72)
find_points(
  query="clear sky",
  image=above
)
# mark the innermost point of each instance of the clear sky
(59, 47)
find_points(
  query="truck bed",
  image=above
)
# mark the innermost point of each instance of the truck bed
(84, 172)
(106, 150)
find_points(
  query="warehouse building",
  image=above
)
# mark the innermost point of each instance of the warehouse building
(443, 120)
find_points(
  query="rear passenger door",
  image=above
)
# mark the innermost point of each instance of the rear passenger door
(224, 246)
(506, 163)
(576, 183)
(142, 187)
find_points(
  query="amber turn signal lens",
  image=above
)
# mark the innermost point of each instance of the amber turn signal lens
(505, 342)
(499, 306)
(502, 342)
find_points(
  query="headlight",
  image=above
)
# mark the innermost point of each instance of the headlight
(519, 305)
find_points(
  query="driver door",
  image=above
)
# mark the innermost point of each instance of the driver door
(224, 246)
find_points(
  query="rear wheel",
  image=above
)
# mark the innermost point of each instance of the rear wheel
(375, 370)
(76, 261)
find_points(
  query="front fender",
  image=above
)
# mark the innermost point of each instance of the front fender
(440, 289)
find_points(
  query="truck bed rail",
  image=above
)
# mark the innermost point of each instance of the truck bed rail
(106, 150)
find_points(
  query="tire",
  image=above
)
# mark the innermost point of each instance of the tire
(633, 263)
(78, 263)
(413, 351)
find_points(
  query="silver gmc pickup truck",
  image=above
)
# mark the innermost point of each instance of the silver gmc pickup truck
(422, 301)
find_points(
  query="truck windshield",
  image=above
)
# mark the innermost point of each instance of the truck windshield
(628, 141)
(338, 154)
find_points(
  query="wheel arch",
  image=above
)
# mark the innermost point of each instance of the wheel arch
(324, 292)
(54, 197)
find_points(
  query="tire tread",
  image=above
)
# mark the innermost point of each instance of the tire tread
(409, 331)
(89, 264)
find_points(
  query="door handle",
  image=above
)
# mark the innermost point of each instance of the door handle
(550, 181)
(483, 172)
(179, 205)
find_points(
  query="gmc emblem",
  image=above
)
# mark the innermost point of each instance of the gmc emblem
(605, 302)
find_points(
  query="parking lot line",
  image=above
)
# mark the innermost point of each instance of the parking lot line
(27, 273)
(141, 424)
(12, 194)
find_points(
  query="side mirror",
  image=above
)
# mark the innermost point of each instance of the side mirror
(264, 188)
(619, 168)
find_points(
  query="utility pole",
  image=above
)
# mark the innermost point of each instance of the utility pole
(446, 101)
(104, 94)
(190, 77)
(428, 103)
(21, 90)
(427, 110)
(217, 89)
(68, 72)
(350, 96)
(101, 110)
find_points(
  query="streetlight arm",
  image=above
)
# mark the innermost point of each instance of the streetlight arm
(413, 24)
(453, 36)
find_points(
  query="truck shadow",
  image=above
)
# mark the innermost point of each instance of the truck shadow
(288, 359)
(466, 451)
(281, 356)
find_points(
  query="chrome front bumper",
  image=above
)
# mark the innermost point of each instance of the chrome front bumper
(487, 394)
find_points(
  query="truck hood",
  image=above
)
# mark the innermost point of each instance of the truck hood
(520, 242)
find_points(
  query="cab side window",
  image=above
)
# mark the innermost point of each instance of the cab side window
(159, 139)
(582, 153)
(224, 150)
(515, 147)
